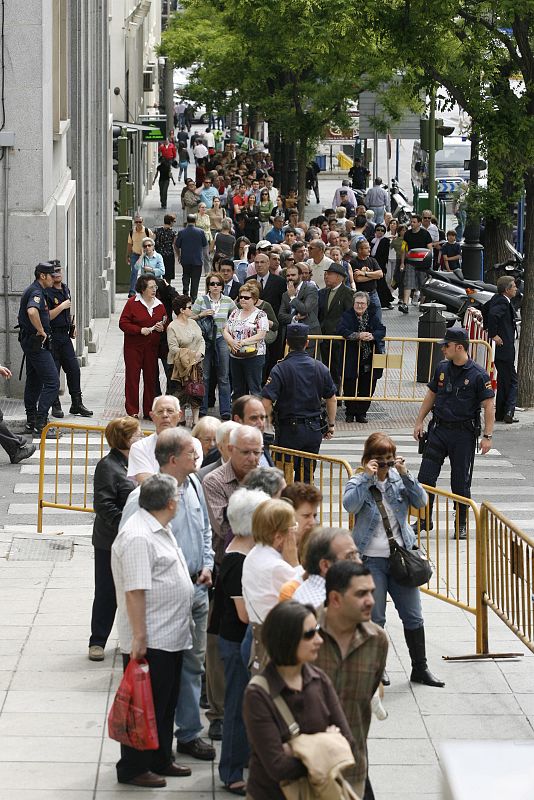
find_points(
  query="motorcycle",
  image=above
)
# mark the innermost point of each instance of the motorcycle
(400, 207)
(514, 267)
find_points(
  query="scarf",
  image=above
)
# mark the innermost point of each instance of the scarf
(362, 326)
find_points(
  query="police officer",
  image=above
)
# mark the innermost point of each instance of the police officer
(455, 395)
(296, 386)
(42, 380)
(63, 331)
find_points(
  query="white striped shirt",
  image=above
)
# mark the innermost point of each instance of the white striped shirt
(145, 556)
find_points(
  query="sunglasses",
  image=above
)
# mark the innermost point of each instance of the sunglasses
(382, 464)
(214, 283)
(309, 635)
(189, 307)
(245, 297)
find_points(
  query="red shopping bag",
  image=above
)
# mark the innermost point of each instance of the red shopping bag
(132, 720)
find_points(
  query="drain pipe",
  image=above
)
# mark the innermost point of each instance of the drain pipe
(5, 151)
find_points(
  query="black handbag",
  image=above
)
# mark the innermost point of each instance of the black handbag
(408, 567)
(207, 325)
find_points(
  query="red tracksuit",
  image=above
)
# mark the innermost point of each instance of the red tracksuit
(140, 353)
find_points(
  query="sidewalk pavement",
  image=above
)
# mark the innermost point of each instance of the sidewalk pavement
(54, 702)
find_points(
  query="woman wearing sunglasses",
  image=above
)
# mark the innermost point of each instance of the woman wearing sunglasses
(216, 306)
(291, 638)
(245, 334)
(399, 489)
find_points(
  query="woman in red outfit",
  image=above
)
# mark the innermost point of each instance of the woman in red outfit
(143, 320)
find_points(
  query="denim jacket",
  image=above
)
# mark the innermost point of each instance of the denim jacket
(402, 491)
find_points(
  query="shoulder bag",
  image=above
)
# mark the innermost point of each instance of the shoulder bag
(207, 325)
(324, 755)
(408, 567)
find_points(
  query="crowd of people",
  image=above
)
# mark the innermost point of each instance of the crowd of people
(212, 564)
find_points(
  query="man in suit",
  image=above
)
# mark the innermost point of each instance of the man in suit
(300, 304)
(272, 287)
(231, 281)
(500, 316)
(334, 300)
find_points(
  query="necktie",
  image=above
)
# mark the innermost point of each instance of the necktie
(262, 285)
(330, 298)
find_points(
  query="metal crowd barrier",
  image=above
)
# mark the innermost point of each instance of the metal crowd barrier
(507, 566)
(405, 367)
(330, 475)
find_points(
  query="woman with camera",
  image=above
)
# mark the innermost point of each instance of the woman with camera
(380, 494)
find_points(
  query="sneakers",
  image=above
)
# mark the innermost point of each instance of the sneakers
(403, 308)
(422, 526)
(24, 451)
(96, 653)
(462, 532)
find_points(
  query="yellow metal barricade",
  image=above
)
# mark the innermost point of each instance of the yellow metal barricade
(66, 479)
(506, 582)
(399, 374)
(330, 476)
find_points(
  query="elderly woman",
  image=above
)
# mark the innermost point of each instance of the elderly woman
(186, 342)
(233, 621)
(244, 334)
(365, 336)
(142, 321)
(291, 639)
(380, 245)
(272, 561)
(150, 262)
(206, 432)
(204, 222)
(111, 490)
(270, 480)
(215, 306)
(383, 470)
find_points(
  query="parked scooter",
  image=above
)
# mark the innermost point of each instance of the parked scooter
(400, 207)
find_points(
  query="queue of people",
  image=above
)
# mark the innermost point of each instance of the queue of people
(238, 552)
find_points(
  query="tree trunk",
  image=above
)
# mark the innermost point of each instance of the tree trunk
(526, 342)
(302, 166)
(496, 232)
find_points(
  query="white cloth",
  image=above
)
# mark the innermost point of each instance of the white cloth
(378, 547)
(433, 231)
(200, 151)
(312, 591)
(145, 556)
(142, 456)
(140, 299)
(264, 573)
(318, 270)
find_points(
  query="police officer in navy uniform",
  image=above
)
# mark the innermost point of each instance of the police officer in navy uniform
(42, 379)
(455, 395)
(59, 303)
(296, 387)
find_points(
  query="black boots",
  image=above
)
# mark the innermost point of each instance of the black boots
(77, 407)
(56, 410)
(416, 646)
(30, 422)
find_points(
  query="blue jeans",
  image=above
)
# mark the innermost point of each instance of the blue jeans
(187, 716)
(407, 599)
(235, 750)
(218, 359)
(134, 258)
(374, 301)
(246, 375)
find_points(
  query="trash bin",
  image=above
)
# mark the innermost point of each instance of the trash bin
(432, 325)
(321, 162)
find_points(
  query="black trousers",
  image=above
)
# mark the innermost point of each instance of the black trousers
(105, 601)
(165, 669)
(506, 388)
(306, 436)
(191, 275)
(168, 260)
(163, 189)
(459, 446)
(65, 357)
(365, 389)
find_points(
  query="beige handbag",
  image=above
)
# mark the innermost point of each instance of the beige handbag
(324, 755)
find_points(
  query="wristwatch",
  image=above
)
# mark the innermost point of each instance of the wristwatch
(487, 436)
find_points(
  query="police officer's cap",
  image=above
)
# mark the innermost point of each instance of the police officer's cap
(56, 263)
(297, 331)
(455, 335)
(45, 268)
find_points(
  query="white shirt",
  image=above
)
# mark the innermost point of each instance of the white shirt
(433, 231)
(312, 590)
(378, 547)
(145, 556)
(200, 150)
(155, 303)
(210, 139)
(273, 195)
(264, 573)
(319, 269)
(142, 456)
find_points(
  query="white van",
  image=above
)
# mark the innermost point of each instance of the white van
(450, 170)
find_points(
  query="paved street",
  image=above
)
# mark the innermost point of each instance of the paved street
(53, 701)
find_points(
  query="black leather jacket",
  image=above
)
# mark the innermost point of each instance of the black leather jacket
(111, 490)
